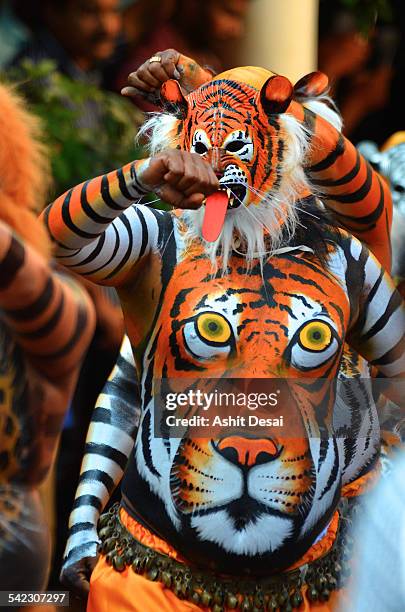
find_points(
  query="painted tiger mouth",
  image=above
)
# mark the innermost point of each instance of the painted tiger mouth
(236, 194)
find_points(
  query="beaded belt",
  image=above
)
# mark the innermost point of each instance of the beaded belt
(216, 592)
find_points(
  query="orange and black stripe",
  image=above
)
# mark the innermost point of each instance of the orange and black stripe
(50, 317)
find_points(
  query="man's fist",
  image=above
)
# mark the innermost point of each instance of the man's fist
(77, 576)
(180, 178)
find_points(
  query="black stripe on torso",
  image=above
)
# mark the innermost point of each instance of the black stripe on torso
(392, 355)
(334, 472)
(146, 433)
(394, 303)
(144, 232)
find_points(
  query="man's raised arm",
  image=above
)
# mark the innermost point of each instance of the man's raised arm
(100, 230)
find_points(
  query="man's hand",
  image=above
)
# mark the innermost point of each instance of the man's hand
(77, 575)
(180, 178)
(149, 77)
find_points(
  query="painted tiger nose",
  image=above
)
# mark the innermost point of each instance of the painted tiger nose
(215, 159)
(248, 451)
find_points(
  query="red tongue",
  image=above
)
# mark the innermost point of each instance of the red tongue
(215, 210)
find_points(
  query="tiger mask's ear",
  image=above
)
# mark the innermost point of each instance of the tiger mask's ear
(173, 99)
(311, 85)
(276, 95)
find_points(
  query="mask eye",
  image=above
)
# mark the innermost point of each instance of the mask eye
(213, 328)
(239, 144)
(315, 336)
(200, 142)
(234, 146)
(200, 148)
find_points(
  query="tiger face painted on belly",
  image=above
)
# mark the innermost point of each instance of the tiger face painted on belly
(249, 498)
(218, 325)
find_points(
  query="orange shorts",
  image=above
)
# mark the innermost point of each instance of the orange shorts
(111, 591)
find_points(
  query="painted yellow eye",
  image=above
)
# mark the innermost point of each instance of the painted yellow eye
(315, 336)
(213, 327)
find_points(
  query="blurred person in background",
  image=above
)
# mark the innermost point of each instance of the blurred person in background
(46, 324)
(13, 33)
(197, 29)
(78, 35)
(362, 68)
(378, 582)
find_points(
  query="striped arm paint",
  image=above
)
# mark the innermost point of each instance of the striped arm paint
(109, 441)
(99, 228)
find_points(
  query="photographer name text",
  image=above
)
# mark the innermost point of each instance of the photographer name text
(251, 420)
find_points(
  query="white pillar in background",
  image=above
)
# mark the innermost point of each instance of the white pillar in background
(281, 35)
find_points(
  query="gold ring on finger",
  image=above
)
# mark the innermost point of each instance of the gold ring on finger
(155, 58)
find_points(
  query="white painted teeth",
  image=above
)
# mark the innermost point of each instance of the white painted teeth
(230, 198)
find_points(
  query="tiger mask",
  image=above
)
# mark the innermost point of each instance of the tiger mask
(237, 122)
